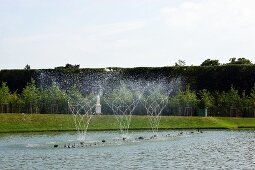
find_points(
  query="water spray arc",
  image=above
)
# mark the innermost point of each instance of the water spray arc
(154, 99)
(124, 95)
(122, 102)
(82, 108)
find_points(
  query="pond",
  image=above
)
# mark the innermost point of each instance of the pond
(108, 150)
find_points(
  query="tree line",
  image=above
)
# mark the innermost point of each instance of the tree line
(186, 102)
(33, 99)
(215, 62)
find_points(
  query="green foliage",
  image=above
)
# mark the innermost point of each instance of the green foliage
(215, 79)
(53, 97)
(239, 61)
(5, 94)
(27, 67)
(57, 94)
(122, 95)
(30, 93)
(180, 63)
(17, 79)
(186, 98)
(158, 94)
(15, 99)
(224, 101)
(69, 66)
(206, 99)
(252, 96)
(220, 100)
(245, 101)
(210, 62)
(242, 76)
(233, 98)
(74, 95)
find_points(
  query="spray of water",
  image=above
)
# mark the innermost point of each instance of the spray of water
(155, 98)
(122, 102)
(120, 93)
(82, 108)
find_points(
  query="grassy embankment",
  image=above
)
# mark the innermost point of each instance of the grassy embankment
(60, 122)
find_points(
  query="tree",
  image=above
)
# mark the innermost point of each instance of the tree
(72, 66)
(252, 97)
(185, 101)
(53, 99)
(180, 63)
(221, 103)
(207, 100)
(239, 61)
(74, 95)
(27, 67)
(188, 97)
(16, 102)
(5, 96)
(210, 62)
(31, 96)
(245, 104)
(233, 101)
(233, 97)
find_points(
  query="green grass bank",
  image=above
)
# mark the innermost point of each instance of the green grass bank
(64, 122)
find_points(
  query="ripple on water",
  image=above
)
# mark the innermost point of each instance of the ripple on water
(210, 150)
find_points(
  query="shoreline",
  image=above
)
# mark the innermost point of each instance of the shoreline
(142, 129)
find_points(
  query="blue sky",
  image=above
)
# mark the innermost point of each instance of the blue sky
(103, 33)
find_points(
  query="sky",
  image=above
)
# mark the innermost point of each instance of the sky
(120, 33)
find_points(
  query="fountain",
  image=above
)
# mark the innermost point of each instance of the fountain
(154, 100)
(154, 104)
(121, 95)
(82, 108)
(122, 102)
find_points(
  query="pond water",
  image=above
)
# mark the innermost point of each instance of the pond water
(170, 150)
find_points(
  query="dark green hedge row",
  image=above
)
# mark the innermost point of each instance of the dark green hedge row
(16, 79)
(213, 78)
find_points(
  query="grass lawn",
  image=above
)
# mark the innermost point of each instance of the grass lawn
(64, 122)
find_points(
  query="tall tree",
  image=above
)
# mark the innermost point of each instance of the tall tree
(180, 63)
(30, 95)
(207, 100)
(185, 101)
(210, 62)
(239, 61)
(16, 102)
(53, 99)
(27, 67)
(5, 97)
(4, 94)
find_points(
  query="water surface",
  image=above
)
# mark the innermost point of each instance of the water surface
(171, 150)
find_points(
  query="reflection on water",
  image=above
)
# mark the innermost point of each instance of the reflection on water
(208, 150)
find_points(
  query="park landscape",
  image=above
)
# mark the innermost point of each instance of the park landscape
(127, 84)
(84, 110)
